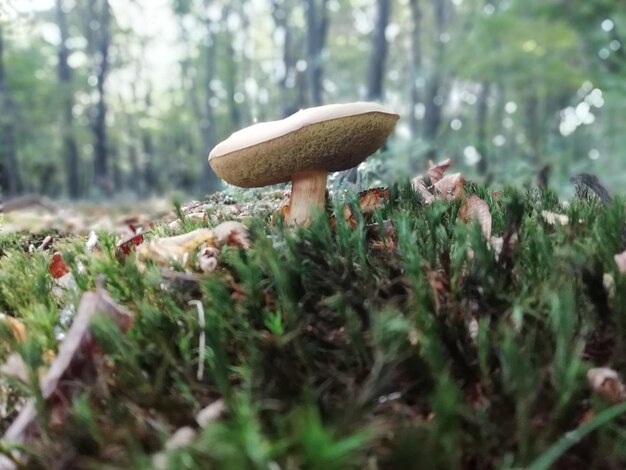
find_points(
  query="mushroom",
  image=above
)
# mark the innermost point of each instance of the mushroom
(303, 148)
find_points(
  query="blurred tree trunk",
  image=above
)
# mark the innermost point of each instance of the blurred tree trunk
(210, 181)
(378, 57)
(116, 173)
(11, 181)
(317, 28)
(231, 78)
(416, 62)
(481, 128)
(70, 149)
(533, 129)
(376, 68)
(102, 42)
(150, 182)
(434, 87)
(133, 179)
(287, 76)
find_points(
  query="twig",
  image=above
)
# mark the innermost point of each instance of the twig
(202, 346)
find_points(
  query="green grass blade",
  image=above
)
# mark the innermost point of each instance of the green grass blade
(550, 456)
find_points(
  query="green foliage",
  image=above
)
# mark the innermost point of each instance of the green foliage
(174, 96)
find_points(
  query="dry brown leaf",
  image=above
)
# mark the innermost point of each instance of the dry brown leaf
(206, 260)
(436, 170)
(17, 327)
(198, 248)
(553, 218)
(606, 383)
(586, 417)
(435, 184)
(438, 285)
(620, 260)
(178, 249)
(372, 199)
(75, 362)
(419, 186)
(233, 234)
(450, 187)
(475, 208)
(283, 212)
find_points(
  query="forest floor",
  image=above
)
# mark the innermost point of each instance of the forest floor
(437, 325)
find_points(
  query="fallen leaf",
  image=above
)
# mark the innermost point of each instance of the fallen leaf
(438, 285)
(57, 266)
(17, 327)
(282, 212)
(372, 199)
(369, 200)
(206, 259)
(450, 187)
(233, 234)
(419, 186)
(177, 249)
(128, 243)
(606, 383)
(436, 170)
(382, 241)
(553, 218)
(75, 362)
(474, 208)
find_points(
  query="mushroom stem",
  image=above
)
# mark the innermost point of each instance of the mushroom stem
(308, 193)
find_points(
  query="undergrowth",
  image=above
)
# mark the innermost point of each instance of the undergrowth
(333, 353)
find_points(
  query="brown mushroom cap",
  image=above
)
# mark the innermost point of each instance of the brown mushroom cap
(329, 138)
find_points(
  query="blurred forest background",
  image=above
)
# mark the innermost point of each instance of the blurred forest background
(110, 98)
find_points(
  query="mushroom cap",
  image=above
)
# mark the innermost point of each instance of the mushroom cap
(330, 138)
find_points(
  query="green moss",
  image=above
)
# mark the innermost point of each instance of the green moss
(331, 352)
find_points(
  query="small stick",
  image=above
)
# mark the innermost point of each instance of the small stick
(201, 347)
(45, 243)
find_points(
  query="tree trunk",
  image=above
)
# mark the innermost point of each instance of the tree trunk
(481, 131)
(9, 172)
(416, 62)
(434, 89)
(102, 178)
(317, 28)
(210, 182)
(150, 181)
(287, 78)
(533, 129)
(70, 149)
(376, 70)
(231, 80)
